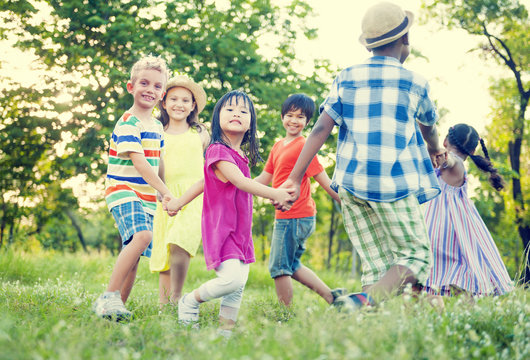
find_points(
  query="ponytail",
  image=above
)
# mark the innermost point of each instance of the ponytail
(484, 164)
(465, 137)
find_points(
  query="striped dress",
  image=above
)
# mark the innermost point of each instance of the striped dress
(464, 252)
(124, 183)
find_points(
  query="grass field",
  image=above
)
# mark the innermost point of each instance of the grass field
(46, 299)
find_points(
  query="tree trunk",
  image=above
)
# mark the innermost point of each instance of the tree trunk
(72, 218)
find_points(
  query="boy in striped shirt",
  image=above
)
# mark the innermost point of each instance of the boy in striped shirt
(134, 175)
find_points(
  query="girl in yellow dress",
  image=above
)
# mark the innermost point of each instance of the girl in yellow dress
(177, 238)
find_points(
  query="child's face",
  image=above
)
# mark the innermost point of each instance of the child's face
(234, 117)
(179, 103)
(294, 121)
(148, 88)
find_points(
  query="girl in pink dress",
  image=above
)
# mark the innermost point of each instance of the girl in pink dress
(227, 209)
(465, 256)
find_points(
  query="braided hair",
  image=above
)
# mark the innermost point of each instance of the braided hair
(465, 138)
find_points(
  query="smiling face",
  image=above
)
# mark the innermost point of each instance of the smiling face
(294, 121)
(234, 117)
(178, 103)
(147, 89)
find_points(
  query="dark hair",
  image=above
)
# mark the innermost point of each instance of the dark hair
(302, 102)
(192, 119)
(250, 143)
(465, 138)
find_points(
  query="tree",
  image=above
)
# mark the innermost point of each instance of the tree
(88, 48)
(504, 27)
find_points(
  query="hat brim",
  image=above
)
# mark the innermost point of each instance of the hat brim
(390, 36)
(198, 92)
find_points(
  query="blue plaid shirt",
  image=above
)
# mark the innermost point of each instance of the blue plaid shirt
(381, 154)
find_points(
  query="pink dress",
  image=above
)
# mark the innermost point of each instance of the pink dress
(464, 252)
(227, 212)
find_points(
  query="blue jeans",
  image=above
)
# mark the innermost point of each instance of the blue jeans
(288, 244)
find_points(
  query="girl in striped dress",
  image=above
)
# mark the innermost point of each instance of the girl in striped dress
(466, 258)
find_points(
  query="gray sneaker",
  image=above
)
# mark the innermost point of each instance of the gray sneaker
(188, 315)
(109, 306)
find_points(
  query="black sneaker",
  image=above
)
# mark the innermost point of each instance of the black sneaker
(338, 292)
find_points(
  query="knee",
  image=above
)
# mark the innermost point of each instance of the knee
(233, 283)
(143, 238)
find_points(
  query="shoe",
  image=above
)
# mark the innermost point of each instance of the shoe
(110, 306)
(338, 292)
(187, 314)
(353, 302)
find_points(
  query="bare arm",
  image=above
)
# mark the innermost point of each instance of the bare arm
(314, 142)
(264, 178)
(227, 171)
(430, 135)
(162, 176)
(172, 206)
(325, 182)
(146, 171)
(205, 138)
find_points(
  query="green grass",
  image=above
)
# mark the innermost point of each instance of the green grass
(46, 299)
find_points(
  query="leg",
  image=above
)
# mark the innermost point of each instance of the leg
(284, 289)
(179, 264)
(127, 286)
(409, 245)
(128, 259)
(307, 277)
(232, 302)
(164, 286)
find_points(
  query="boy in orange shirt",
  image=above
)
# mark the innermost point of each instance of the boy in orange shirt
(293, 227)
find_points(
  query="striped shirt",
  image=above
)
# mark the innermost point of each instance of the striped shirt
(123, 182)
(381, 154)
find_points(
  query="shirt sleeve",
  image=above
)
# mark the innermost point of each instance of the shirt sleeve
(427, 114)
(218, 152)
(269, 165)
(333, 104)
(127, 138)
(314, 168)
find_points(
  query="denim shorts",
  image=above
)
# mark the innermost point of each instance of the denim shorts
(288, 244)
(131, 218)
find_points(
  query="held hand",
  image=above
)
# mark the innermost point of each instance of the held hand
(438, 156)
(441, 160)
(171, 205)
(283, 199)
(159, 197)
(294, 191)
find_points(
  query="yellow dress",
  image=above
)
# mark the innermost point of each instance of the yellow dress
(183, 163)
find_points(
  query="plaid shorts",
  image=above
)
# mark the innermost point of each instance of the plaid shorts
(131, 218)
(387, 234)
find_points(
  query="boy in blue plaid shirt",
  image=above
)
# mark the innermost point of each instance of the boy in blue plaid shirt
(383, 172)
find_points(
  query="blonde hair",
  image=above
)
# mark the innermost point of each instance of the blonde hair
(149, 62)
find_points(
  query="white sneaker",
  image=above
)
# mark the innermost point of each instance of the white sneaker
(188, 314)
(109, 306)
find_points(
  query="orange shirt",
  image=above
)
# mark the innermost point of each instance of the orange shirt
(280, 163)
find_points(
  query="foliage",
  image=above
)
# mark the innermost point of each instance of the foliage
(88, 48)
(47, 314)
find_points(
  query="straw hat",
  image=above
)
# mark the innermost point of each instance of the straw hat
(384, 23)
(186, 82)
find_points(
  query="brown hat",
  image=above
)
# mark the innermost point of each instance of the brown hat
(384, 23)
(188, 83)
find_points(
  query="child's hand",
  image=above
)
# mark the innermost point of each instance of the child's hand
(159, 197)
(438, 156)
(294, 191)
(171, 205)
(284, 199)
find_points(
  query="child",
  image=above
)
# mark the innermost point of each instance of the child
(383, 170)
(465, 255)
(227, 209)
(185, 140)
(293, 227)
(133, 177)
